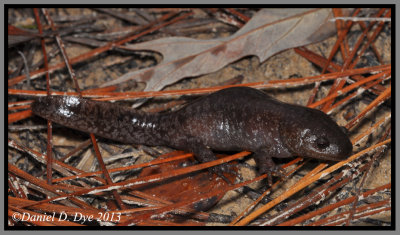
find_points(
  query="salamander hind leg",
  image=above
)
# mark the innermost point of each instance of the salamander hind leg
(203, 154)
(266, 165)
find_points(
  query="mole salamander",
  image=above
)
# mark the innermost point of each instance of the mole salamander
(232, 119)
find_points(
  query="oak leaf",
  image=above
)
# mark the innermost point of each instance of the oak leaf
(268, 32)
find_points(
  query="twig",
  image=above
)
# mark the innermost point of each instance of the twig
(49, 158)
(361, 19)
(26, 66)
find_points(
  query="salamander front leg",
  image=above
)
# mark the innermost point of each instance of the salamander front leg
(266, 165)
(204, 154)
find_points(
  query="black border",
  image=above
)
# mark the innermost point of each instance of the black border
(185, 228)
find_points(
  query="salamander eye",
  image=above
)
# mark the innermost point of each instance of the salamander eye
(322, 143)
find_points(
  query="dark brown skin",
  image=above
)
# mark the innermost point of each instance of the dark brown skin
(232, 119)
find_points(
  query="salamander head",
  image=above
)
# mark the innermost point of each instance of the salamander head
(314, 134)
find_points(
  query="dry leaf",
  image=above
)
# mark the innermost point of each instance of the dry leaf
(268, 32)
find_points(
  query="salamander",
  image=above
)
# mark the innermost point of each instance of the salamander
(232, 119)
